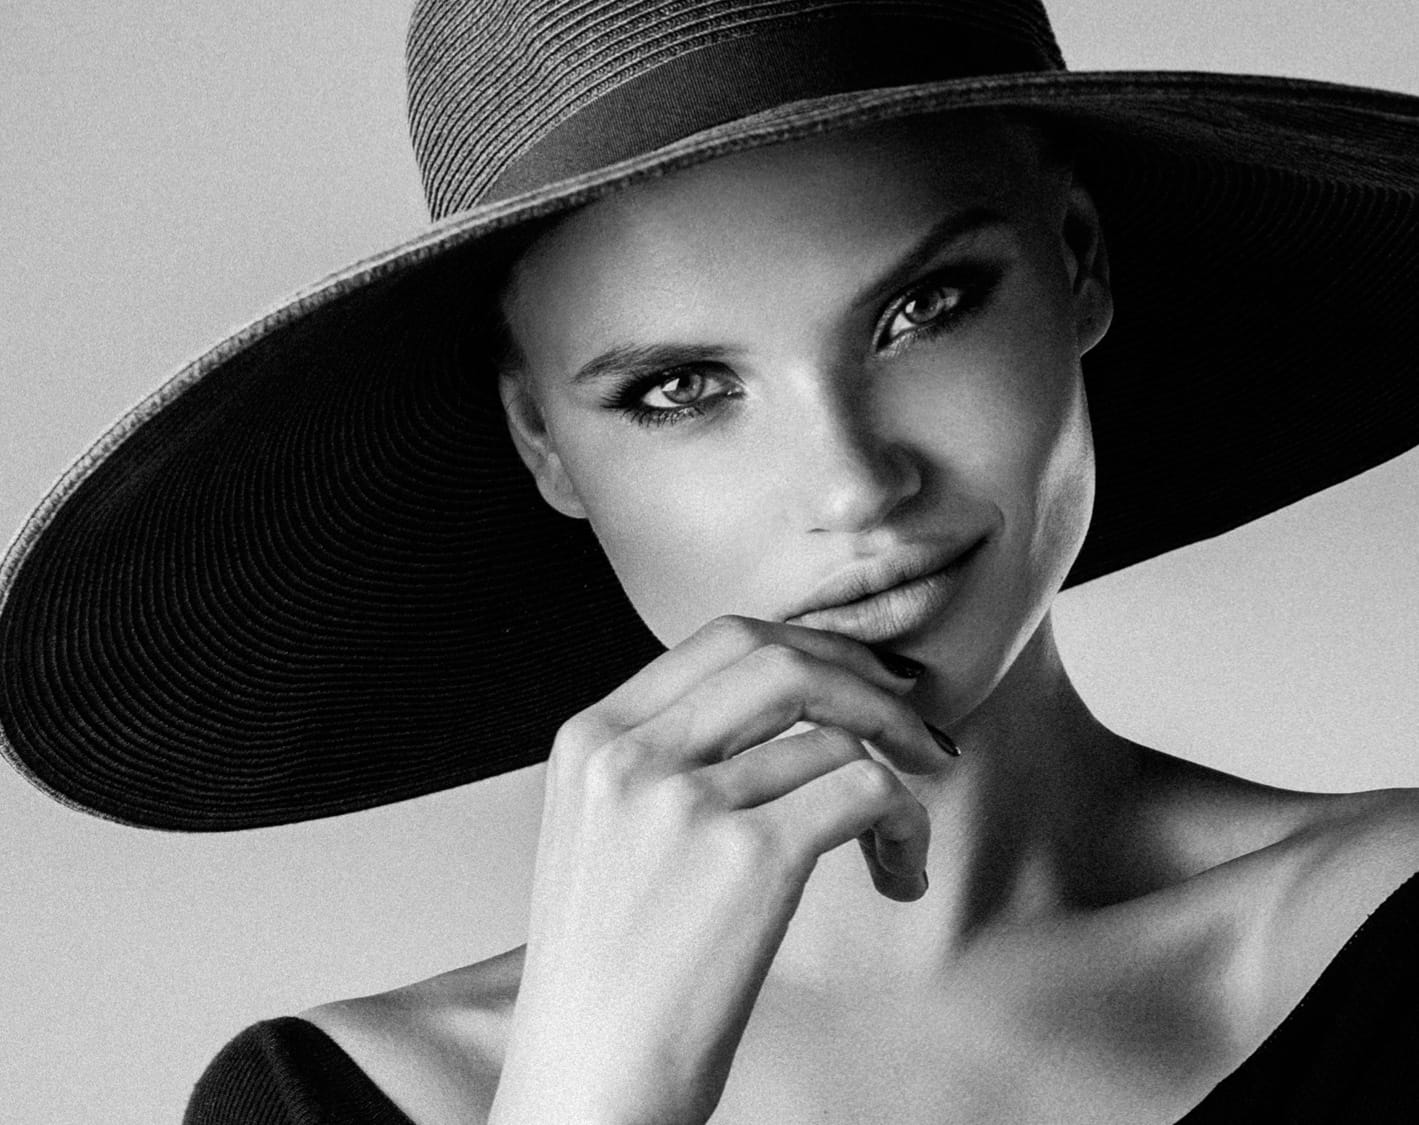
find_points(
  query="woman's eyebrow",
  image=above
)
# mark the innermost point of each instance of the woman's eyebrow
(951, 228)
(630, 360)
(627, 361)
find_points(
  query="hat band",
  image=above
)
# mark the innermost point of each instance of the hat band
(738, 76)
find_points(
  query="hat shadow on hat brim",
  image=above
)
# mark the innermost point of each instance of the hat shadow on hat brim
(308, 576)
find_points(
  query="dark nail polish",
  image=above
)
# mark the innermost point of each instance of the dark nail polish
(913, 887)
(903, 666)
(943, 740)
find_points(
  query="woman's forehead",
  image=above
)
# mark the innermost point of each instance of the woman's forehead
(825, 216)
(879, 177)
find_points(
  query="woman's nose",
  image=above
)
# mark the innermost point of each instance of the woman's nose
(850, 473)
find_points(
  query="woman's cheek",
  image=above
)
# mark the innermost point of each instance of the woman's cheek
(678, 542)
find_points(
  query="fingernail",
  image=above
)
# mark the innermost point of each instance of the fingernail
(943, 740)
(898, 665)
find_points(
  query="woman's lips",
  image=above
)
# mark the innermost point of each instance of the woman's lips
(895, 611)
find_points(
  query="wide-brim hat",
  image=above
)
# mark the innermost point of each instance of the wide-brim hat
(309, 574)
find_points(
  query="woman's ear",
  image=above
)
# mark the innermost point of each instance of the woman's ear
(1087, 259)
(534, 445)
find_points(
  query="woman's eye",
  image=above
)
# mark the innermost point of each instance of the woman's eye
(924, 308)
(941, 303)
(683, 388)
(676, 395)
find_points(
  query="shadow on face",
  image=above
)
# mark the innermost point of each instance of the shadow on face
(766, 372)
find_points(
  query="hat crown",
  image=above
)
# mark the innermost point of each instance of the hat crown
(507, 95)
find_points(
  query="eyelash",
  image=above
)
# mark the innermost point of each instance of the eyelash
(976, 282)
(627, 398)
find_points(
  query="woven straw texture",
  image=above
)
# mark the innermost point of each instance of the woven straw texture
(309, 575)
(517, 71)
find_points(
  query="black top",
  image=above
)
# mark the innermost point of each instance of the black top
(1346, 1053)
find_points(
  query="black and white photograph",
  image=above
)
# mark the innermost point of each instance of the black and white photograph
(712, 562)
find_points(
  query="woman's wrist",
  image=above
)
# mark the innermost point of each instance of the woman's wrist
(544, 1079)
(550, 1101)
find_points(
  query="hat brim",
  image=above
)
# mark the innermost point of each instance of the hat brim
(309, 576)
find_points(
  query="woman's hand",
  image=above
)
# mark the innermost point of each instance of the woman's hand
(675, 844)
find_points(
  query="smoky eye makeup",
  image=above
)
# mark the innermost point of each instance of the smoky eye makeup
(684, 392)
(939, 303)
(651, 392)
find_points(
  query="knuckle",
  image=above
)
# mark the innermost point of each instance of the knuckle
(888, 721)
(747, 843)
(569, 748)
(735, 632)
(608, 770)
(684, 796)
(871, 778)
(838, 742)
(575, 733)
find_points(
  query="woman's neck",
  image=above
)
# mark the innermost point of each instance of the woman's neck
(1042, 815)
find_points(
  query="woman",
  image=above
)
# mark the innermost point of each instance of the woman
(821, 404)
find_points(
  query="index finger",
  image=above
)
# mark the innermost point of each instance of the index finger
(724, 641)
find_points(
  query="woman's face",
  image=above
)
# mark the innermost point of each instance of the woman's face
(789, 378)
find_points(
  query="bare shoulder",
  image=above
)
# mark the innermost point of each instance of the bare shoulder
(1354, 849)
(1346, 855)
(435, 1047)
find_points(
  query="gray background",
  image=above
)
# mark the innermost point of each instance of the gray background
(168, 171)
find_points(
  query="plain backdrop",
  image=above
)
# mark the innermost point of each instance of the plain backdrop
(169, 170)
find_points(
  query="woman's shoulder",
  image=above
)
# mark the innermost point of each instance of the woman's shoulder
(1382, 823)
(435, 1047)
(1322, 861)
(284, 1071)
(1327, 962)
(1231, 835)
(1353, 849)
(1341, 857)
(1349, 850)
